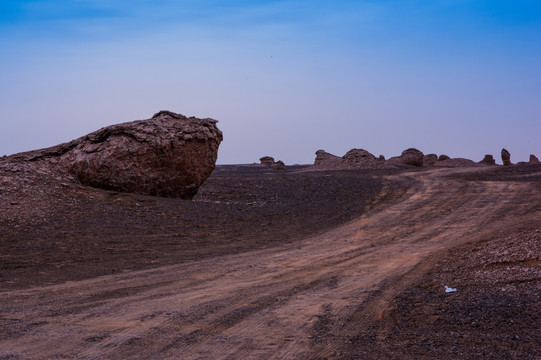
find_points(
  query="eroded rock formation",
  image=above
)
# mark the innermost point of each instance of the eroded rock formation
(410, 156)
(430, 159)
(266, 161)
(327, 160)
(359, 158)
(278, 165)
(443, 157)
(534, 159)
(269, 161)
(168, 155)
(488, 160)
(506, 157)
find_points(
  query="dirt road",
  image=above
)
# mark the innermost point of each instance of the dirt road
(276, 303)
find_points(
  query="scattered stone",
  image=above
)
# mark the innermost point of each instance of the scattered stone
(443, 157)
(506, 157)
(409, 156)
(488, 160)
(534, 159)
(430, 159)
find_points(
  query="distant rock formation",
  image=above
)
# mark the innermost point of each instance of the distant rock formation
(362, 159)
(269, 162)
(506, 157)
(409, 156)
(430, 159)
(443, 157)
(266, 161)
(534, 159)
(327, 160)
(359, 158)
(168, 155)
(278, 165)
(488, 160)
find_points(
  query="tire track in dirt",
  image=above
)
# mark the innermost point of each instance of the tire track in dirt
(285, 302)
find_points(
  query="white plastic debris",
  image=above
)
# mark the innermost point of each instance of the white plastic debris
(448, 289)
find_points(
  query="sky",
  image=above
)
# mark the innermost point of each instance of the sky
(284, 78)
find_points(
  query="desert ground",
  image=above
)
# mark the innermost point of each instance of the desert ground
(266, 264)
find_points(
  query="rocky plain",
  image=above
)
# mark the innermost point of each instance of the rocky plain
(130, 243)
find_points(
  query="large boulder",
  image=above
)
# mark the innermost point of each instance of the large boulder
(168, 155)
(534, 159)
(409, 156)
(506, 157)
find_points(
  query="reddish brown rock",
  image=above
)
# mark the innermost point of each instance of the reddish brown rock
(430, 159)
(506, 157)
(534, 159)
(326, 160)
(488, 160)
(443, 157)
(169, 155)
(266, 161)
(278, 165)
(409, 156)
(269, 161)
(359, 158)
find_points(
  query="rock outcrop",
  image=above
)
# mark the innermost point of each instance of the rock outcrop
(279, 165)
(266, 160)
(269, 162)
(443, 157)
(359, 158)
(506, 157)
(488, 160)
(327, 160)
(409, 156)
(534, 159)
(430, 159)
(168, 155)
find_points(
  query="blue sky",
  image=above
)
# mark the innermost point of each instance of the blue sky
(284, 78)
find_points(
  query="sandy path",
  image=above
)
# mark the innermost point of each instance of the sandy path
(272, 303)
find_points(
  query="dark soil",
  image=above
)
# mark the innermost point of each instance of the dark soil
(53, 230)
(70, 232)
(494, 314)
